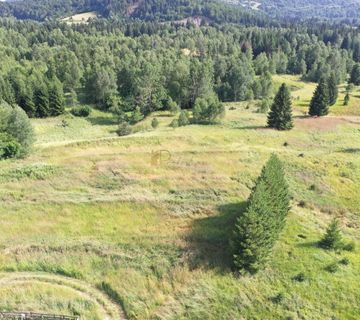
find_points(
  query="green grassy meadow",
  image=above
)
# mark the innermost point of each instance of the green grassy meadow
(92, 224)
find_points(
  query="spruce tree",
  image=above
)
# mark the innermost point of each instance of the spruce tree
(41, 100)
(258, 228)
(332, 90)
(332, 238)
(319, 105)
(355, 75)
(56, 99)
(27, 104)
(280, 115)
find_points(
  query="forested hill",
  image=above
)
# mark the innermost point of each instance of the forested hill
(305, 9)
(149, 10)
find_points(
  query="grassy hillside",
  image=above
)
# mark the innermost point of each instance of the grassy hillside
(92, 223)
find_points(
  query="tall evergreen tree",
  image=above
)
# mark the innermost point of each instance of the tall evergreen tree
(41, 100)
(26, 103)
(258, 228)
(280, 116)
(332, 89)
(355, 75)
(319, 105)
(56, 99)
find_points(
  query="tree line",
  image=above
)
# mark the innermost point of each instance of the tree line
(101, 64)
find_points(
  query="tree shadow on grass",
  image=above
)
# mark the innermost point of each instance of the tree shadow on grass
(351, 150)
(252, 127)
(101, 120)
(308, 244)
(208, 240)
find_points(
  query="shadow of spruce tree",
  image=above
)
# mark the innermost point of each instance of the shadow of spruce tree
(208, 239)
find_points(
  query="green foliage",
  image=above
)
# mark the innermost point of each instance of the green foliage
(332, 89)
(355, 75)
(154, 123)
(319, 105)
(208, 109)
(9, 147)
(41, 101)
(258, 228)
(349, 246)
(332, 239)
(332, 268)
(280, 116)
(81, 111)
(346, 99)
(124, 129)
(15, 124)
(115, 104)
(136, 116)
(173, 106)
(264, 106)
(174, 124)
(183, 119)
(345, 261)
(56, 98)
(300, 277)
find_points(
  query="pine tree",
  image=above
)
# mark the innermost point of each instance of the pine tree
(56, 99)
(332, 238)
(332, 90)
(280, 116)
(257, 230)
(346, 99)
(319, 105)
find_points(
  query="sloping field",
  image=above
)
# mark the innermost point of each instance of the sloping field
(80, 17)
(92, 223)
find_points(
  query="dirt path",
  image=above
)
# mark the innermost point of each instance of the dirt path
(108, 308)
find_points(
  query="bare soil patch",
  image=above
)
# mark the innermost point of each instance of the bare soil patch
(325, 123)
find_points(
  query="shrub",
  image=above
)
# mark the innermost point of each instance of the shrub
(300, 277)
(9, 147)
(208, 109)
(174, 124)
(155, 123)
(264, 106)
(302, 204)
(344, 261)
(349, 246)
(124, 129)
(332, 239)
(15, 123)
(82, 111)
(136, 116)
(173, 106)
(183, 119)
(278, 298)
(332, 268)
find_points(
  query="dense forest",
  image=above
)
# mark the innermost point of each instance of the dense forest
(147, 66)
(217, 11)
